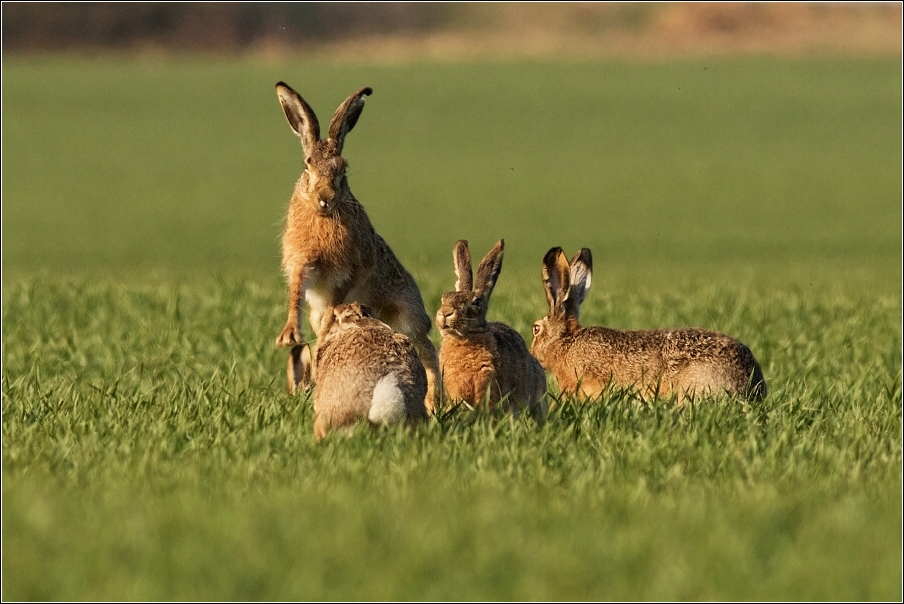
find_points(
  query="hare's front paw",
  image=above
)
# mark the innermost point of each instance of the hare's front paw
(290, 336)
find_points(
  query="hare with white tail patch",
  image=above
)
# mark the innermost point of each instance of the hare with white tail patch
(480, 360)
(687, 363)
(330, 251)
(365, 370)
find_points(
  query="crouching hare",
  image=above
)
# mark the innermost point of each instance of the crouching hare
(365, 370)
(480, 360)
(687, 363)
(330, 251)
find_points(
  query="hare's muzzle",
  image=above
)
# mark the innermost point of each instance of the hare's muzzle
(325, 204)
(442, 319)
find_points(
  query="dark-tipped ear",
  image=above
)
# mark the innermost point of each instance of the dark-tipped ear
(300, 115)
(488, 271)
(556, 279)
(580, 273)
(347, 115)
(461, 256)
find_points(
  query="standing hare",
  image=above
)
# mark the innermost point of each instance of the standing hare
(480, 360)
(686, 363)
(330, 251)
(365, 370)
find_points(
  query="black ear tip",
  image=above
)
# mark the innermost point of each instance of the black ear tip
(552, 254)
(367, 91)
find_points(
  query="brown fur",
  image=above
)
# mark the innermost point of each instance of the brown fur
(483, 361)
(331, 253)
(686, 363)
(299, 370)
(355, 352)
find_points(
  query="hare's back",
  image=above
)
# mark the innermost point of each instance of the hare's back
(713, 359)
(691, 344)
(666, 345)
(353, 365)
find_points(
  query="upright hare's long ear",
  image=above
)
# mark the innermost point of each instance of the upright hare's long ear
(347, 115)
(581, 273)
(488, 271)
(556, 280)
(461, 256)
(300, 115)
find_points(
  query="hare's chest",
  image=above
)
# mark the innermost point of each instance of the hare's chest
(322, 286)
(468, 369)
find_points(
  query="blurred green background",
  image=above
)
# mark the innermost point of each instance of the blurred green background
(762, 168)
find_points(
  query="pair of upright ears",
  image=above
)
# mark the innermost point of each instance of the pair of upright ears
(304, 122)
(566, 283)
(487, 272)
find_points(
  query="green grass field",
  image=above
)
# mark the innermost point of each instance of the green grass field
(151, 452)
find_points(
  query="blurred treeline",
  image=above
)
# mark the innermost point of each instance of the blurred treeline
(449, 29)
(207, 26)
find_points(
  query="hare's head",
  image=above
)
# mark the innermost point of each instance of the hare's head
(566, 287)
(343, 317)
(323, 181)
(465, 310)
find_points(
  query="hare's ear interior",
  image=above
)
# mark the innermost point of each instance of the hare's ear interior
(300, 115)
(556, 279)
(347, 115)
(581, 273)
(461, 256)
(488, 271)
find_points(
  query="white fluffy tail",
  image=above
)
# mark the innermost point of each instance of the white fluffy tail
(388, 403)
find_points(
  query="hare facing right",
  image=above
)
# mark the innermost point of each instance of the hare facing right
(686, 363)
(478, 359)
(365, 370)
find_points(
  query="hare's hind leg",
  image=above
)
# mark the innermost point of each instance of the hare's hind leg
(430, 359)
(415, 324)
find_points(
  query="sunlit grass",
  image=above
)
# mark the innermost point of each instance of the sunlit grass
(150, 451)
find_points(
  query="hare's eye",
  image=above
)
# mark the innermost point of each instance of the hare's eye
(536, 329)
